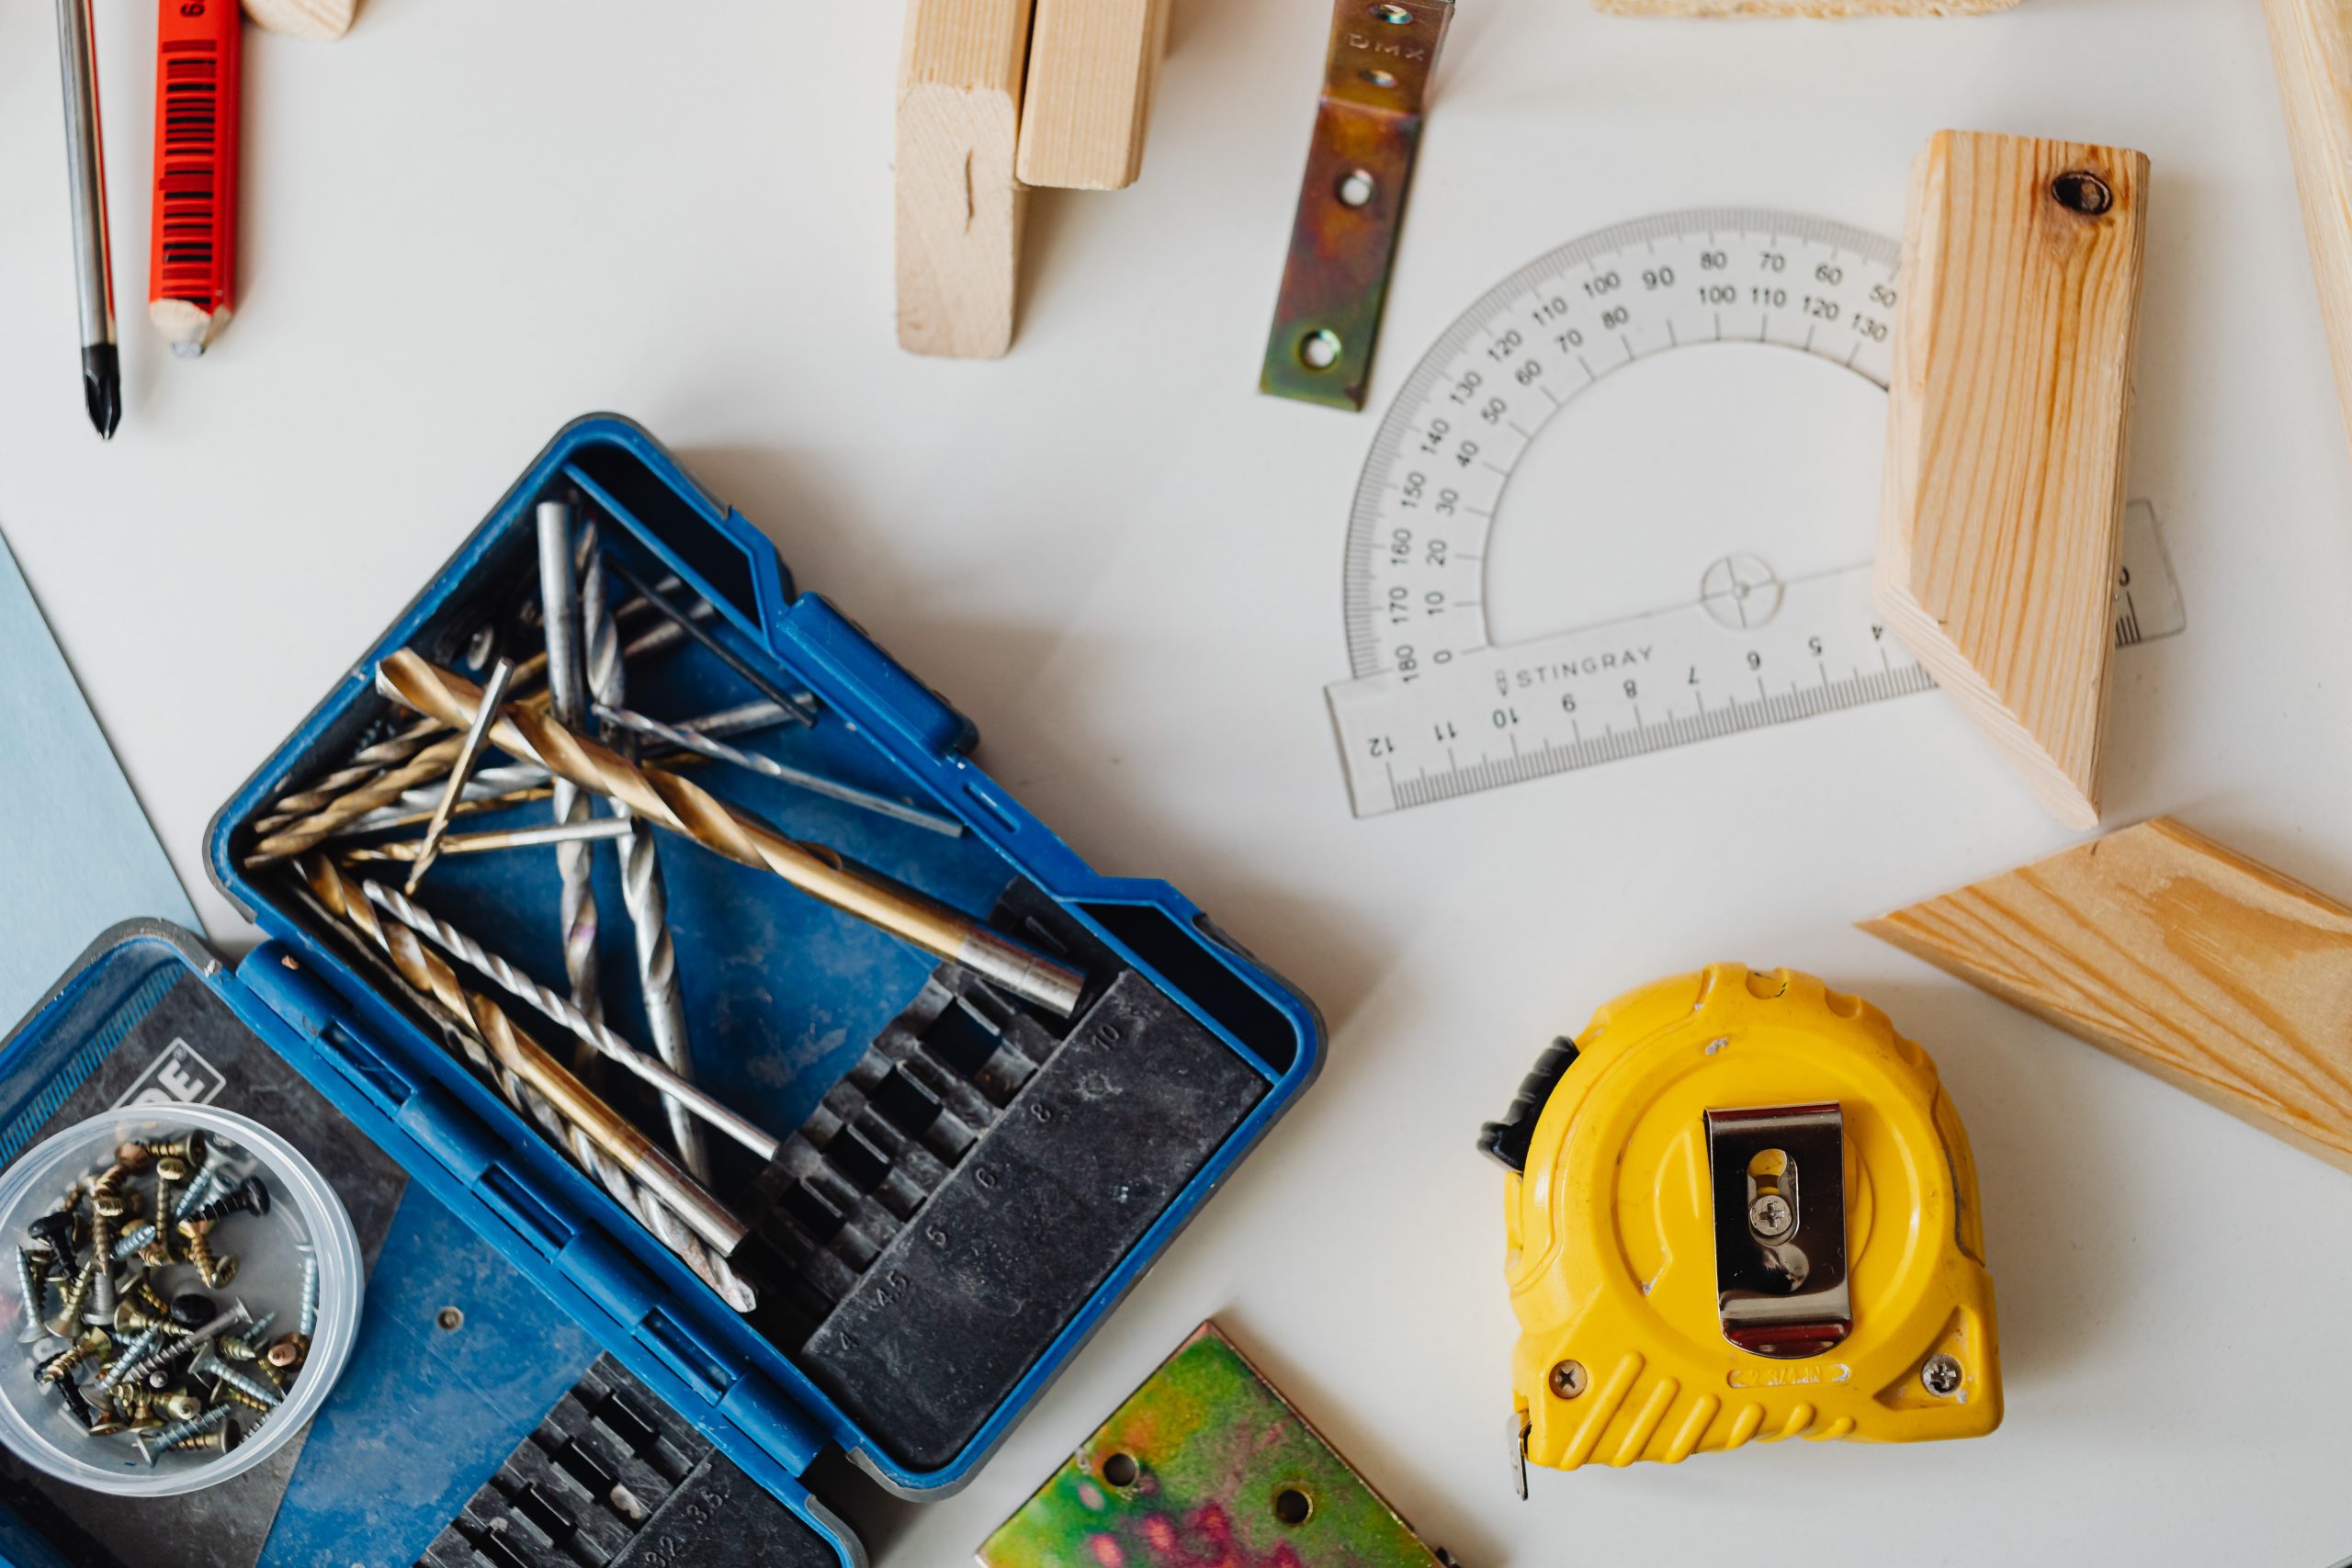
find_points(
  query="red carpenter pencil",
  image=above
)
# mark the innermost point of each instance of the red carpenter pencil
(192, 267)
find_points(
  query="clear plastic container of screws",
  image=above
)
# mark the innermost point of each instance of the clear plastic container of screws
(180, 1369)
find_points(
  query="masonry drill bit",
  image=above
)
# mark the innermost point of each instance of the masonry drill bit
(518, 1054)
(801, 705)
(596, 830)
(619, 717)
(593, 1031)
(502, 675)
(567, 689)
(677, 804)
(643, 890)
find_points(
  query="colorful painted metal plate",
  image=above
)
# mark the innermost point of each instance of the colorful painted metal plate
(1206, 1466)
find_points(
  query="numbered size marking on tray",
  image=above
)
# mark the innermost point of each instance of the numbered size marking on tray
(1737, 487)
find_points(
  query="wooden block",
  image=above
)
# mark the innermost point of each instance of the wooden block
(2169, 951)
(1801, 8)
(2311, 42)
(321, 19)
(2003, 511)
(1092, 65)
(959, 205)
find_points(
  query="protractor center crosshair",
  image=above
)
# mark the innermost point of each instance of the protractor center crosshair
(1687, 557)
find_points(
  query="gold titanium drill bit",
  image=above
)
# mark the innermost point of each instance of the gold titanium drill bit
(514, 782)
(371, 761)
(596, 829)
(501, 675)
(307, 833)
(681, 805)
(475, 956)
(567, 688)
(516, 1053)
(616, 717)
(643, 891)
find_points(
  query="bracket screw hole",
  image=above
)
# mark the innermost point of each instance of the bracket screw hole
(1379, 78)
(1357, 187)
(1394, 16)
(1319, 350)
(2081, 191)
(1292, 1506)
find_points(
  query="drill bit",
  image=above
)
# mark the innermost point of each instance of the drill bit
(515, 1051)
(567, 689)
(801, 705)
(643, 888)
(595, 1032)
(493, 692)
(515, 783)
(596, 829)
(619, 717)
(370, 762)
(679, 804)
(315, 829)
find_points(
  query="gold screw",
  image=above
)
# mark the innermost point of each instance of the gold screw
(1568, 1380)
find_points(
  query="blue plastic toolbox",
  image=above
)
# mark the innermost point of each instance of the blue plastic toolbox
(1034, 1166)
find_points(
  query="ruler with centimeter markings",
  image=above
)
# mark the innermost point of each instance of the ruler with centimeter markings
(1436, 709)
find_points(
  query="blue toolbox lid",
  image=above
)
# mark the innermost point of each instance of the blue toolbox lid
(968, 1182)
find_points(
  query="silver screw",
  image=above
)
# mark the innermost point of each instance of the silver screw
(1569, 1378)
(1770, 1217)
(1941, 1376)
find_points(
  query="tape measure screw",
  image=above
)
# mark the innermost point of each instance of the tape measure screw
(1941, 1376)
(1569, 1378)
(1770, 1217)
(2081, 191)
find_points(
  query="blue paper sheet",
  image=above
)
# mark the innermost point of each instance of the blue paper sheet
(76, 853)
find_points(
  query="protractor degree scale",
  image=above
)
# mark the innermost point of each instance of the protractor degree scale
(1697, 613)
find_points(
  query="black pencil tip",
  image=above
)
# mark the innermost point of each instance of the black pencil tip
(102, 387)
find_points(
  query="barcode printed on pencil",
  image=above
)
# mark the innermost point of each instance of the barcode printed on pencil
(188, 179)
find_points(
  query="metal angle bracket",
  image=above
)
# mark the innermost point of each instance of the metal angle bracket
(1352, 199)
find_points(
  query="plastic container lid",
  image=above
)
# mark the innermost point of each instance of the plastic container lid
(304, 1214)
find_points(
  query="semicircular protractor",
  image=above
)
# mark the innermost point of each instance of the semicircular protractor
(1539, 580)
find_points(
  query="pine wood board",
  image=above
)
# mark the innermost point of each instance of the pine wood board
(1093, 66)
(320, 19)
(2162, 948)
(2001, 521)
(959, 205)
(2311, 43)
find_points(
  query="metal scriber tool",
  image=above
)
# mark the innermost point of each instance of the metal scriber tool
(516, 1053)
(669, 801)
(493, 693)
(86, 172)
(717, 751)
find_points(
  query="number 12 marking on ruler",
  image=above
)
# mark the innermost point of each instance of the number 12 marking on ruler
(1436, 709)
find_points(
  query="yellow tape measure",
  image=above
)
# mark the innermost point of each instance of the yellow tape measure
(1740, 1206)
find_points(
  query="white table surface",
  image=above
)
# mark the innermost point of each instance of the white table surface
(469, 222)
